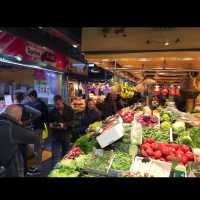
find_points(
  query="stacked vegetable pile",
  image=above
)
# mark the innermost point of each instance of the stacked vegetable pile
(166, 152)
(122, 161)
(147, 119)
(127, 115)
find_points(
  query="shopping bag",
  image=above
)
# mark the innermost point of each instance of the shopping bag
(45, 132)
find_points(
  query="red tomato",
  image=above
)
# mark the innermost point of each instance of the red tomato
(190, 156)
(179, 157)
(164, 150)
(149, 151)
(144, 153)
(157, 154)
(175, 146)
(151, 140)
(154, 146)
(170, 157)
(180, 152)
(184, 160)
(185, 148)
(145, 146)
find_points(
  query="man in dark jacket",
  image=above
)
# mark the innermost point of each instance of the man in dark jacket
(38, 104)
(90, 115)
(60, 122)
(12, 133)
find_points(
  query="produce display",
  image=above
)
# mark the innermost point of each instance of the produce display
(170, 140)
(167, 152)
(127, 91)
(157, 134)
(127, 115)
(122, 161)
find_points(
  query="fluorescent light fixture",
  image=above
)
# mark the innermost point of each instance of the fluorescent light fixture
(128, 66)
(26, 65)
(185, 59)
(143, 59)
(75, 46)
(19, 58)
(91, 65)
(105, 60)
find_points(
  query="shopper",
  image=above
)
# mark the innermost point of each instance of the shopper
(60, 122)
(38, 124)
(38, 104)
(109, 106)
(90, 115)
(28, 115)
(12, 133)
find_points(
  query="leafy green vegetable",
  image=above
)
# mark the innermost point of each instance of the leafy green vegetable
(86, 143)
(195, 136)
(165, 117)
(157, 134)
(185, 140)
(165, 125)
(179, 126)
(122, 161)
(100, 162)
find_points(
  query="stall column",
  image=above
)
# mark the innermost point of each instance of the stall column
(65, 88)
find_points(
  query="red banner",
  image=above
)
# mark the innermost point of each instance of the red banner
(17, 46)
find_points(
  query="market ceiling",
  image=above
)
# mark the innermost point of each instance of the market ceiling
(143, 49)
(65, 40)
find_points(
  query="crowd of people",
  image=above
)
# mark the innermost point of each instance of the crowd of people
(22, 125)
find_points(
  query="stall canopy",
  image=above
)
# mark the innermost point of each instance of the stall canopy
(135, 53)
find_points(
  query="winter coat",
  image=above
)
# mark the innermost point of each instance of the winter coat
(12, 135)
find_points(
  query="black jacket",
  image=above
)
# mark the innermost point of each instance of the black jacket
(38, 104)
(11, 136)
(109, 108)
(89, 117)
(66, 118)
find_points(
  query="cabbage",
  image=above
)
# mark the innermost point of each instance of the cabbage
(68, 163)
(165, 125)
(185, 140)
(178, 126)
(165, 117)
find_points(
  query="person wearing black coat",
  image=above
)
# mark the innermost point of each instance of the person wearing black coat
(90, 115)
(60, 123)
(12, 134)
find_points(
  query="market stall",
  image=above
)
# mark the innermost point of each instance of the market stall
(157, 136)
(136, 142)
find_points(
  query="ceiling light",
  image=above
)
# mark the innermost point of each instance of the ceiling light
(143, 59)
(91, 65)
(19, 58)
(40, 27)
(166, 43)
(185, 59)
(97, 63)
(105, 60)
(127, 65)
(1, 31)
(75, 46)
